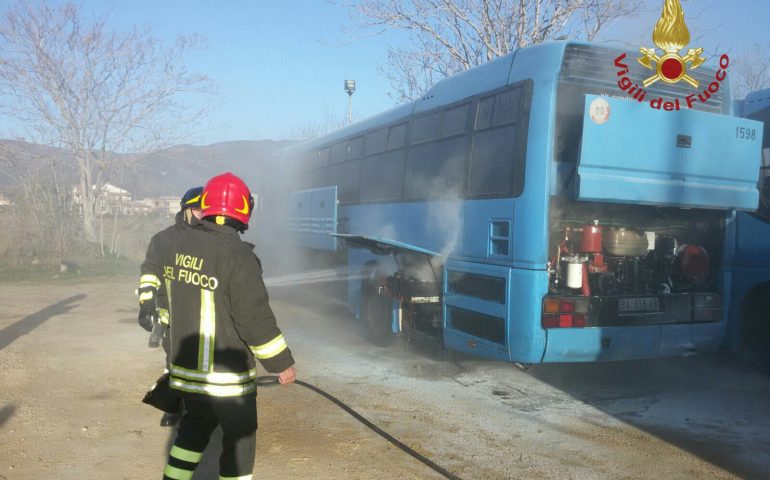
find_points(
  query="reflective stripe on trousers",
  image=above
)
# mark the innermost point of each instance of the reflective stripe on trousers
(238, 419)
(181, 463)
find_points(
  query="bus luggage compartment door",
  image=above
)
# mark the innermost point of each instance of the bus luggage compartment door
(475, 308)
(312, 218)
(632, 153)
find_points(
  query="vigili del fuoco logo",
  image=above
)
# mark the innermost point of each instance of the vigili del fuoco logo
(670, 35)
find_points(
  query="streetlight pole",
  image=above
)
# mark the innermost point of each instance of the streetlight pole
(350, 88)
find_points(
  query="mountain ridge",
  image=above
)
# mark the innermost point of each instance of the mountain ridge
(166, 172)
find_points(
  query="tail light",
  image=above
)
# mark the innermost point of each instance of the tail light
(564, 313)
(707, 307)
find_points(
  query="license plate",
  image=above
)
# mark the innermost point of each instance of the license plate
(641, 304)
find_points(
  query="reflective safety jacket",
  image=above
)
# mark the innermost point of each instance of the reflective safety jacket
(221, 319)
(151, 285)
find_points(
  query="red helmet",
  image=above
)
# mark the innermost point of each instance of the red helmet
(227, 195)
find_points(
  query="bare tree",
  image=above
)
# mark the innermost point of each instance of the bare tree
(42, 199)
(73, 82)
(752, 70)
(449, 36)
(315, 128)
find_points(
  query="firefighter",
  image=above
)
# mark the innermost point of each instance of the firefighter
(221, 322)
(153, 301)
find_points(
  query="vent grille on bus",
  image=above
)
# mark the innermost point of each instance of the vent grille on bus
(596, 65)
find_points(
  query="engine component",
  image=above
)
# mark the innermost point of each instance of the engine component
(574, 272)
(592, 238)
(621, 242)
(692, 264)
(665, 246)
(606, 283)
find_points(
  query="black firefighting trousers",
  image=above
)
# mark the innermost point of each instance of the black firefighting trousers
(238, 418)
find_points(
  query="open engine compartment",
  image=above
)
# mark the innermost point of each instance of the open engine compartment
(601, 249)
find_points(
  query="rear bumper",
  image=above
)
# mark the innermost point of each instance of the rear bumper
(631, 343)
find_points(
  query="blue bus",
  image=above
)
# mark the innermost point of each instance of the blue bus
(533, 209)
(748, 241)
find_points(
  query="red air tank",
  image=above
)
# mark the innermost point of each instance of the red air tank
(592, 238)
(692, 263)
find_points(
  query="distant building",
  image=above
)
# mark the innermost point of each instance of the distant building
(111, 199)
(166, 205)
(143, 207)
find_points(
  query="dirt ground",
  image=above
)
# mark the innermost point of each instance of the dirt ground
(74, 366)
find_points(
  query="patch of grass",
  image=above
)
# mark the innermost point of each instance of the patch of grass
(72, 272)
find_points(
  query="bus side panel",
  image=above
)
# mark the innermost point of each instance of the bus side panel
(519, 311)
(434, 225)
(744, 280)
(473, 324)
(526, 337)
(752, 242)
(530, 226)
(748, 266)
(478, 216)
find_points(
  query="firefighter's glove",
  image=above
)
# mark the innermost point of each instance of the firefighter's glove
(156, 336)
(148, 315)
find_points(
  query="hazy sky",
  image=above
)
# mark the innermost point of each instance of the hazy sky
(281, 64)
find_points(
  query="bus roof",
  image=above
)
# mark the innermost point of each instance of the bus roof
(486, 77)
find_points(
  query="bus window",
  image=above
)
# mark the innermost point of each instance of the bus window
(570, 102)
(493, 159)
(507, 106)
(376, 141)
(455, 120)
(312, 178)
(484, 112)
(437, 169)
(309, 161)
(347, 177)
(356, 148)
(382, 176)
(426, 128)
(339, 152)
(323, 157)
(397, 136)
(498, 152)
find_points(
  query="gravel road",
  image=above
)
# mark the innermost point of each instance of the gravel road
(74, 366)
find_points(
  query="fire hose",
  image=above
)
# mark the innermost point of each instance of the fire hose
(270, 380)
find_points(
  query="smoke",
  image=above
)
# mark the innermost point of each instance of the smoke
(388, 231)
(435, 222)
(443, 187)
(446, 219)
(314, 276)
